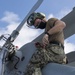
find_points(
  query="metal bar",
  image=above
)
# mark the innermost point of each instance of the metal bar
(16, 32)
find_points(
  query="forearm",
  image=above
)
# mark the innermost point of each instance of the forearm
(54, 30)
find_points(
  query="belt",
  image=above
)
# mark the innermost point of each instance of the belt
(57, 43)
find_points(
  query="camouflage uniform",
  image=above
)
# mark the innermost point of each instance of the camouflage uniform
(41, 57)
(51, 53)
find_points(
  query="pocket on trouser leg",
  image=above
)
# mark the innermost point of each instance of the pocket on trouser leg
(59, 59)
(57, 49)
(37, 71)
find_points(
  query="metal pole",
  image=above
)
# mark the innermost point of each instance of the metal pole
(16, 32)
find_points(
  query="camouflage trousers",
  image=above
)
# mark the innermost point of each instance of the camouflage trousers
(41, 57)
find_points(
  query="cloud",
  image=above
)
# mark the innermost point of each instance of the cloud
(10, 17)
(60, 14)
(26, 34)
(50, 16)
(69, 46)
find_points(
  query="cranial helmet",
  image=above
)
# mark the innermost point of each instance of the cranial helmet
(31, 19)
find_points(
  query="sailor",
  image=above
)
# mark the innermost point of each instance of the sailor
(51, 47)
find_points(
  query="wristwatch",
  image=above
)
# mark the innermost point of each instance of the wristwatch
(47, 33)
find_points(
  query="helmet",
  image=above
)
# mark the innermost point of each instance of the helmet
(31, 19)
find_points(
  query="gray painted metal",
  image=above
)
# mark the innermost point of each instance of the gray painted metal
(71, 59)
(69, 19)
(38, 3)
(10, 66)
(58, 69)
(50, 69)
(71, 56)
(28, 49)
(16, 32)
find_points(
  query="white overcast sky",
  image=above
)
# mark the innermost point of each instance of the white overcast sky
(13, 12)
